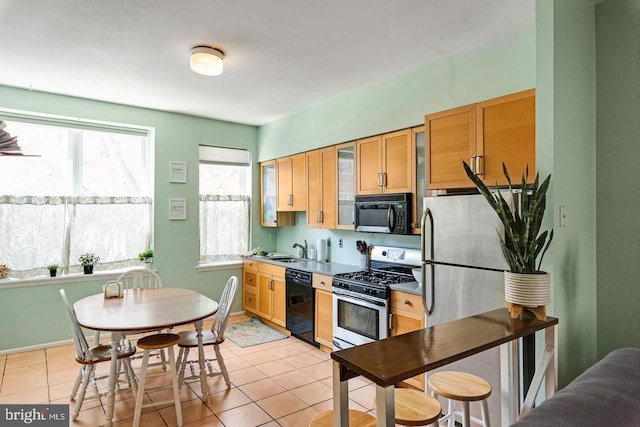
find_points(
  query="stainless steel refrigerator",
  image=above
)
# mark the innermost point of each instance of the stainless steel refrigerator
(466, 232)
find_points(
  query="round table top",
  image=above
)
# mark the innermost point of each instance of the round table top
(144, 309)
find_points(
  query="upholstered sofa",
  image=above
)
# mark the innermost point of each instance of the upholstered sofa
(606, 394)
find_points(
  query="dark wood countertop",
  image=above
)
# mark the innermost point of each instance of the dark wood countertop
(391, 360)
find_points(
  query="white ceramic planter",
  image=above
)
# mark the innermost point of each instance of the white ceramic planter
(527, 290)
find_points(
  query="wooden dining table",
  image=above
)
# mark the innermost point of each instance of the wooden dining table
(144, 310)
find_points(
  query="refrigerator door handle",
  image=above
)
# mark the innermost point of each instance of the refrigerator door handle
(428, 308)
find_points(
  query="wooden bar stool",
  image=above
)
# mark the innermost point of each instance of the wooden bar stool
(356, 418)
(158, 342)
(414, 407)
(463, 387)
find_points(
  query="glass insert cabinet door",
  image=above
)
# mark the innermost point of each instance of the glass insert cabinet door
(268, 192)
(346, 185)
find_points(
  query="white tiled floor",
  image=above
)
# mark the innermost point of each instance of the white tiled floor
(281, 383)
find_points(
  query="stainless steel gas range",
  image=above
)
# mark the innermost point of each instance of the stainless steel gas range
(361, 299)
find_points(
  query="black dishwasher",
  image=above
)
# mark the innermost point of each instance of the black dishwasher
(301, 304)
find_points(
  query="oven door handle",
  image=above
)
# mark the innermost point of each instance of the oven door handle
(355, 299)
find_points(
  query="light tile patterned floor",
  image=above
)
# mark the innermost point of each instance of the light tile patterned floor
(281, 383)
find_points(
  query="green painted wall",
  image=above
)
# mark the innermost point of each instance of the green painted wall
(566, 149)
(38, 310)
(498, 68)
(618, 154)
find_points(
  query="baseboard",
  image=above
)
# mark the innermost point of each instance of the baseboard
(70, 341)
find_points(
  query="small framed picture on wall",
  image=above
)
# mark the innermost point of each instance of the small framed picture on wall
(177, 209)
(178, 172)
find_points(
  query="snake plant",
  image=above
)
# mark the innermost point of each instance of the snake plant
(523, 243)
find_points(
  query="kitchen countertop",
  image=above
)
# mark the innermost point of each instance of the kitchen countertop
(332, 268)
(409, 287)
(328, 268)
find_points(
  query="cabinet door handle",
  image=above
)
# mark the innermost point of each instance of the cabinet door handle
(319, 216)
(407, 302)
(384, 179)
(390, 321)
(479, 165)
(249, 279)
(472, 164)
(270, 284)
(380, 179)
(290, 199)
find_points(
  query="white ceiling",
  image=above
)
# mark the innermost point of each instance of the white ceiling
(281, 55)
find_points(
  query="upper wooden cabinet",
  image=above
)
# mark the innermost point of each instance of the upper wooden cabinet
(321, 188)
(485, 135)
(417, 134)
(507, 133)
(269, 217)
(385, 163)
(346, 185)
(292, 178)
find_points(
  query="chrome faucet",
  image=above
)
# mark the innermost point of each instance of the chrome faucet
(304, 248)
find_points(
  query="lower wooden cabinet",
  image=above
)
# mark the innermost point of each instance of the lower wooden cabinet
(264, 291)
(324, 310)
(249, 286)
(407, 315)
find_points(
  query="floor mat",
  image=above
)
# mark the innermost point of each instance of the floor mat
(253, 332)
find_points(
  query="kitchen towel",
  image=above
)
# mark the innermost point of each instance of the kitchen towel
(321, 249)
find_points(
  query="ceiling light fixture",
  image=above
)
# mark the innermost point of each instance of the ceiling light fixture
(207, 60)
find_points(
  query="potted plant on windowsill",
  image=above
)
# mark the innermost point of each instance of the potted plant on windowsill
(146, 257)
(88, 260)
(53, 269)
(523, 245)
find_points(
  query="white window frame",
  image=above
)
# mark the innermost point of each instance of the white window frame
(232, 157)
(75, 124)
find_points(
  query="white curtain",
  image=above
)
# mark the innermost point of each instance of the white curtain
(224, 227)
(36, 231)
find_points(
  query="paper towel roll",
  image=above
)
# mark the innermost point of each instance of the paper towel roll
(321, 249)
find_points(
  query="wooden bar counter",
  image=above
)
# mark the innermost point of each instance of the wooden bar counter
(389, 361)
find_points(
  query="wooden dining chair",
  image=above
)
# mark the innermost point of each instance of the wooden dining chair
(89, 357)
(141, 278)
(213, 337)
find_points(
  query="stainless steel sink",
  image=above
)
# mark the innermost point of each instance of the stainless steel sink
(284, 259)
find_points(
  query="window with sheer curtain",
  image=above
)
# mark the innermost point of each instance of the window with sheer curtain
(81, 187)
(225, 203)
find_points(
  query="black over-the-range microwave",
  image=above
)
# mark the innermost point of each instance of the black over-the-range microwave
(384, 213)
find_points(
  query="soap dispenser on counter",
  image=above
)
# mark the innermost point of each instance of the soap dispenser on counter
(312, 252)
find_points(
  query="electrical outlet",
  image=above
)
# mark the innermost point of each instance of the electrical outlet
(563, 216)
(340, 242)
